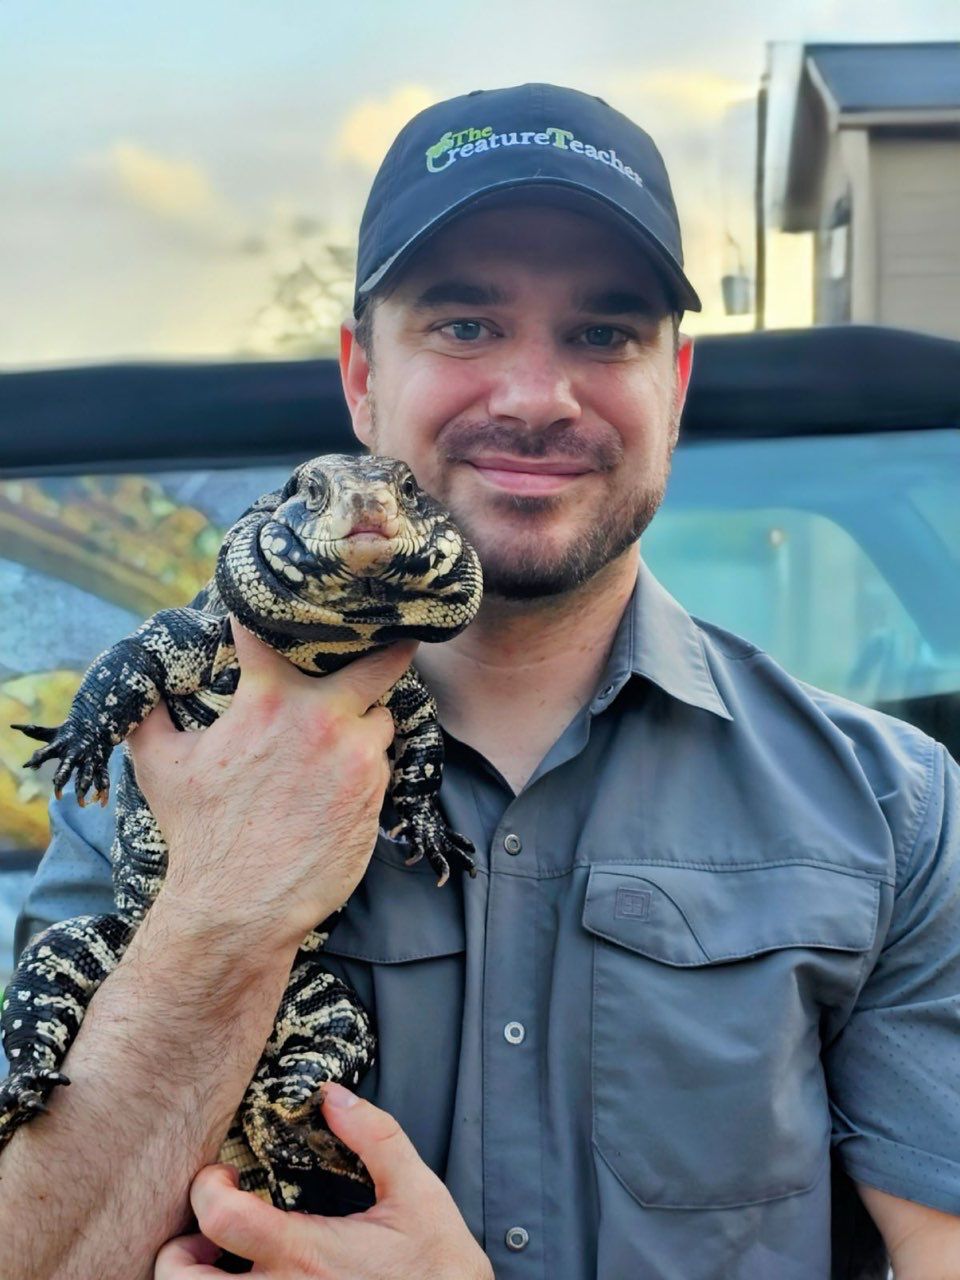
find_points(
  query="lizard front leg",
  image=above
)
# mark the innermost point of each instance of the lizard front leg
(415, 781)
(170, 654)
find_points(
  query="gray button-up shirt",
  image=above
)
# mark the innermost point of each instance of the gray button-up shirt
(716, 935)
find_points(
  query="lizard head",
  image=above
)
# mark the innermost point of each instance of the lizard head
(355, 537)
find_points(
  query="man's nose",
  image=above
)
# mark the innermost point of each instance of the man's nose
(534, 386)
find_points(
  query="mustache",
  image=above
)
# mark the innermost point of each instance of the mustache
(461, 441)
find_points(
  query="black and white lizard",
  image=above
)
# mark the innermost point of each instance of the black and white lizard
(351, 555)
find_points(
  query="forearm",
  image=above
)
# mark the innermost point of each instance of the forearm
(157, 1071)
(923, 1243)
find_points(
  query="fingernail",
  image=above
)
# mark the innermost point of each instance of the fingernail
(337, 1096)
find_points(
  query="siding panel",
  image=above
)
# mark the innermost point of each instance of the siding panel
(917, 194)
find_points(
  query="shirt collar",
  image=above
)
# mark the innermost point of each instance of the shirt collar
(658, 639)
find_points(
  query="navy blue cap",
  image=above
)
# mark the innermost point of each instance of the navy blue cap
(568, 147)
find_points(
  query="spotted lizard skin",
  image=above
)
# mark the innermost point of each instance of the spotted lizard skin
(349, 556)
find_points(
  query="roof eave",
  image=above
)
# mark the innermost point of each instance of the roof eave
(909, 117)
(807, 144)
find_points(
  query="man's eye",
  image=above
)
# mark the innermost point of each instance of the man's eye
(604, 335)
(465, 330)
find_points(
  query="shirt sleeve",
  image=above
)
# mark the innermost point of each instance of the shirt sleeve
(73, 878)
(893, 1074)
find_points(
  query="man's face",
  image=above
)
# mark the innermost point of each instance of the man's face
(524, 367)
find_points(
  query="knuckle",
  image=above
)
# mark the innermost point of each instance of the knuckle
(387, 1132)
(323, 729)
(383, 725)
(263, 700)
(363, 759)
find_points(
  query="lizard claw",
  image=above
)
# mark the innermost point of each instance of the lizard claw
(425, 829)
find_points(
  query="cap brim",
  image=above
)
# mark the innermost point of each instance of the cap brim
(552, 191)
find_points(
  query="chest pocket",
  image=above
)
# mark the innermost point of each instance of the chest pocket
(708, 990)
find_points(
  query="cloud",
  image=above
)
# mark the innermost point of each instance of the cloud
(701, 94)
(371, 125)
(171, 188)
(694, 96)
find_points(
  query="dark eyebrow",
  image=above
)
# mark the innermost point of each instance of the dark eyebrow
(619, 302)
(459, 293)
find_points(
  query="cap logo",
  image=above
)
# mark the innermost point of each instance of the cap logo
(463, 144)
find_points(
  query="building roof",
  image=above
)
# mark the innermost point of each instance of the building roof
(889, 77)
(816, 89)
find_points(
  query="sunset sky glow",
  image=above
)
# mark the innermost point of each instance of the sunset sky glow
(161, 163)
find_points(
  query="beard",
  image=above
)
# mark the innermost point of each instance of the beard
(530, 566)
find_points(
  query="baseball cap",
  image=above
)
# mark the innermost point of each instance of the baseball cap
(562, 145)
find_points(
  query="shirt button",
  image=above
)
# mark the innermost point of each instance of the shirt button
(606, 691)
(512, 843)
(517, 1239)
(514, 1033)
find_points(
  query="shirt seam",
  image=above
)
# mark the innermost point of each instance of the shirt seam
(924, 809)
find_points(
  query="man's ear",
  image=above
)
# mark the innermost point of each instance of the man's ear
(684, 369)
(355, 375)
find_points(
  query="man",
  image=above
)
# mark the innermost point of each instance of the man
(714, 930)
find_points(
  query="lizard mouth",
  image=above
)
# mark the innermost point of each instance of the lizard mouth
(358, 554)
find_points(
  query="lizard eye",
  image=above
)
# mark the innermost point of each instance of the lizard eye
(316, 491)
(408, 489)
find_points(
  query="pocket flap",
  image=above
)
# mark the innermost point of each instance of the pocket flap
(692, 916)
(397, 914)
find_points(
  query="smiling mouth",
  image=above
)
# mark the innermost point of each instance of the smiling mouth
(528, 475)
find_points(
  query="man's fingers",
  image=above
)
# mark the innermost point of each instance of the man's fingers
(243, 1223)
(257, 658)
(362, 682)
(377, 1139)
(187, 1257)
(367, 679)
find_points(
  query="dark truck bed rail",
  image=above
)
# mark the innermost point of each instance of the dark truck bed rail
(145, 416)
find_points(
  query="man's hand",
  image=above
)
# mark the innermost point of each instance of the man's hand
(271, 814)
(413, 1232)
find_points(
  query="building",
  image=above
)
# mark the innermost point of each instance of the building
(861, 147)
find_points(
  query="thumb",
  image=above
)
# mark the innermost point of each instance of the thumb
(246, 1225)
(363, 682)
(375, 1137)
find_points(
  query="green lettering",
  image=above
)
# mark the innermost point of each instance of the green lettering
(559, 136)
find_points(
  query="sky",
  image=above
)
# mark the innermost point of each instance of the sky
(162, 166)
